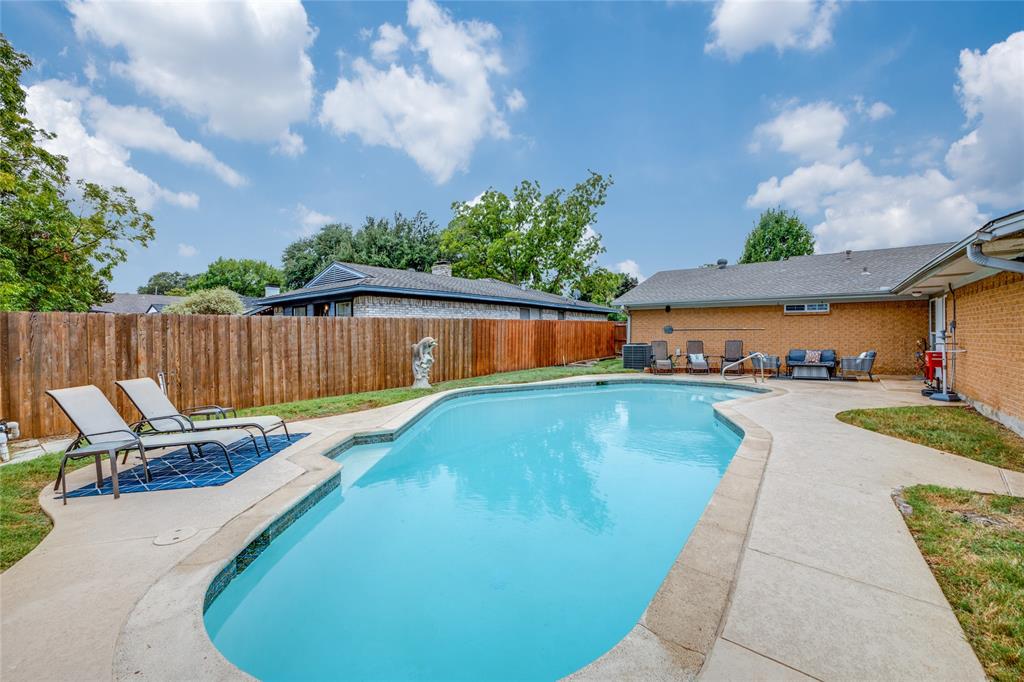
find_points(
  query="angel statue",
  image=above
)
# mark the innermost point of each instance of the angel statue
(422, 361)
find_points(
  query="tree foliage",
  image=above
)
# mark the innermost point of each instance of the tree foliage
(397, 243)
(778, 235)
(59, 240)
(166, 283)
(543, 241)
(216, 301)
(244, 276)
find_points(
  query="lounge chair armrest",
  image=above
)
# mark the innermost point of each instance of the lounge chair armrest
(222, 411)
(130, 436)
(181, 420)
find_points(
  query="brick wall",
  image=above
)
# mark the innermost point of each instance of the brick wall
(891, 328)
(394, 306)
(990, 328)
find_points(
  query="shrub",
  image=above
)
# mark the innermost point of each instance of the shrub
(218, 301)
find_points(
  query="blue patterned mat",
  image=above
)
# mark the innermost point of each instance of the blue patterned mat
(175, 470)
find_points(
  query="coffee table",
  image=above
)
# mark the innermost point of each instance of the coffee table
(811, 372)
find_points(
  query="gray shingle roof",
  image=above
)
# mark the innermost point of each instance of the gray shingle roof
(134, 303)
(435, 286)
(863, 274)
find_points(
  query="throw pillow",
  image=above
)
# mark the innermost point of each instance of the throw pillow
(696, 358)
(813, 356)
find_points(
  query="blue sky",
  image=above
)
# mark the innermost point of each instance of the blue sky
(241, 127)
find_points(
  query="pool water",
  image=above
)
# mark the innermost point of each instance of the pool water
(513, 536)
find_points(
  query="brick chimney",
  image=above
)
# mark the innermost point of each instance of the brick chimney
(441, 267)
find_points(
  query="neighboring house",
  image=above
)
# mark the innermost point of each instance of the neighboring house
(353, 290)
(136, 303)
(882, 300)
(154, 303)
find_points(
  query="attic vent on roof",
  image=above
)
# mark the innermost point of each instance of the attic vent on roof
(848, 252)
(722, 262)
(335, 274)
(864, 271)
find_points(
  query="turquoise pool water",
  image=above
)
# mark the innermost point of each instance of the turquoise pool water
(512, 536)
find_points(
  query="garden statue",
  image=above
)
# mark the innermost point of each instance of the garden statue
(422, 360)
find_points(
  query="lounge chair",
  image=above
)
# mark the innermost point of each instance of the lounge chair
(733, 353)
(164, 417)
(861, 363)
(696, 361)
(660, 359)
(100, 427)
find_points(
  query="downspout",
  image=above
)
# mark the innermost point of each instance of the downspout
(976, 255)
(629, 325)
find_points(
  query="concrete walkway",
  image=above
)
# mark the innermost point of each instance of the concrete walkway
(831, 584)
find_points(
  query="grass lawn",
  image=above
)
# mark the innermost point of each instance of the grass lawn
(979, 567)
(960, 430)
(354, 402)
(23, 525)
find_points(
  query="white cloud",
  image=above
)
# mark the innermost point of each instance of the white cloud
(241, 67)
(988, 160)
(630, 267)
(186, 250)
(811, 132)
(62, 108)
(879, 110)
(436, 108)
(515, 100)
(90, 70)
(742, 26)
(391, 39)
(290, 144)
(310, 221)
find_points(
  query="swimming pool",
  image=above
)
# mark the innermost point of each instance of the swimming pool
(512, 535)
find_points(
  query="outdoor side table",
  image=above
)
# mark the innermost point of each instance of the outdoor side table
(97, 450)
(810, 372)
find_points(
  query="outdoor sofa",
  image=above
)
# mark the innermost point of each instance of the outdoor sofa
(798, 367)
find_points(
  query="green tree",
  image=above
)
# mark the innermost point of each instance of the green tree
(778, 235)
(304, 258)
(529, 239)
(600, 286)
(166, 283)
(59, 240)
(397, 243)
(244, 276)
(216, 301)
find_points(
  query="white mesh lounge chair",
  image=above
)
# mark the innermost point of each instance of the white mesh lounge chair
(99, 424)
(161, 414)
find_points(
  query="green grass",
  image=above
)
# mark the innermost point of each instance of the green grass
(980, 569)
(23, 524)
(354, 402)
(960, 430)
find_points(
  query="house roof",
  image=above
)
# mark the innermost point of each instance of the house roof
(354, 278)
(849, 275)
(135, 303)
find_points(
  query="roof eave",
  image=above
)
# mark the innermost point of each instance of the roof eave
(774, 300)
(427, 293)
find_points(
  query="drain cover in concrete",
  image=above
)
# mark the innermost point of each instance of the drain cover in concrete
(175, 536)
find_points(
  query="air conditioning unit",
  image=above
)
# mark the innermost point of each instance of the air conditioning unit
(636, 356)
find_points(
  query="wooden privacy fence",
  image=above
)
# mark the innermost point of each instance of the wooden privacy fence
(251, 361)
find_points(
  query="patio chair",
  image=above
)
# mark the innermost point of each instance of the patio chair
(696, 361)
(164, 417)
(100, 427)
(861, 363)
(733, 353)
(660, 359)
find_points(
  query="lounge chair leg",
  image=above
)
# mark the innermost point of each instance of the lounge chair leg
(190, 455)
(99, 473)
(265, 441)
(286, 434)
(228, 457)
(256, 445)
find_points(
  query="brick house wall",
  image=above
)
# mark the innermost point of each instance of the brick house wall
(395, 306)
(990, 328)
(891, 328)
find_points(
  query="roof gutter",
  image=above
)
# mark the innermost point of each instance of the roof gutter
(977, 256)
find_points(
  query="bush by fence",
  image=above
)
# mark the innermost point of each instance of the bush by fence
(251, 361)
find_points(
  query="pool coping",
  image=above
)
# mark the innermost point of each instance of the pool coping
(172, 609)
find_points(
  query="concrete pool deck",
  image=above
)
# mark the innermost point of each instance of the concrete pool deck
(829, 583)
